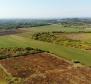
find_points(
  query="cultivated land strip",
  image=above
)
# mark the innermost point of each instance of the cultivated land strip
(65, 52)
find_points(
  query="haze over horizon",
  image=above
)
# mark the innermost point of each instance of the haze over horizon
(44, 8)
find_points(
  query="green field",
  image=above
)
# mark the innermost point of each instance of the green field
(57, 27)
(24, 40)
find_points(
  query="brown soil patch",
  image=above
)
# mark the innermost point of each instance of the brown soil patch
(36, 63)
(43, 68)
(68, 76)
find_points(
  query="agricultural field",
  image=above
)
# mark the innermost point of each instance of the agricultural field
(75, 40)
(25, 66)
(57, 27)
(45, 68)
(46, 54)
(25, 39)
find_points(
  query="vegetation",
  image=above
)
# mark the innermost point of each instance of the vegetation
(62, 39)
(20, 45)
(23, 40)
(16, 52)
(23, 23)
(45, 36)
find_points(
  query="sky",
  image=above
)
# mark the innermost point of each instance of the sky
(44, 8)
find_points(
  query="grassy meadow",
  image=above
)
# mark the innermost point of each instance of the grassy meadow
(24, 40)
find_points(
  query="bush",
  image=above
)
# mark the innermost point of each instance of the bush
(44, 36)
(16, 52)
(76, 61)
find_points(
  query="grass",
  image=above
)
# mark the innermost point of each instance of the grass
(24, 40)
(3, 82)
(65, 52)
(56, 27)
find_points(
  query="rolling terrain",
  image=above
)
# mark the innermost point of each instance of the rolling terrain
(65, 64)
(25, 40)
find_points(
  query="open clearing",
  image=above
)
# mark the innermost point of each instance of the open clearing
(45, 54)
(77, 36)
(24, 40)
(25, 66)
(65, 52)
(43, 68)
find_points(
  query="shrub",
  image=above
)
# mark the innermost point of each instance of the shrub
(76, 61)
